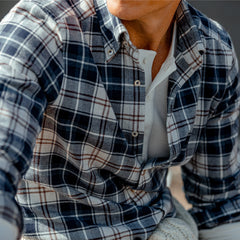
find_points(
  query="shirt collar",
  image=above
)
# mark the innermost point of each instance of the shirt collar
(189, 42)
(113, 31)
(173, 44)
(111, 27)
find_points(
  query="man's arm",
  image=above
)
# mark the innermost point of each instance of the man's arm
(30, 76)
(212, 177)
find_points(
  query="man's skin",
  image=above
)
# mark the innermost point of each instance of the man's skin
(149, 23)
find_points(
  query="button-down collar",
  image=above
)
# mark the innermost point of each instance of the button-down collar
(111, 27)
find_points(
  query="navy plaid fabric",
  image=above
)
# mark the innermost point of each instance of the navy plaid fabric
(72, 124)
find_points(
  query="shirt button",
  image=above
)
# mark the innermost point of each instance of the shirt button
(110, 52)
(134, 134)
(125, 44)
(137, 83)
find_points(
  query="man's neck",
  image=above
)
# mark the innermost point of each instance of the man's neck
(152, 32)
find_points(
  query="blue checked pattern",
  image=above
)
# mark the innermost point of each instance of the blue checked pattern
(68, 111)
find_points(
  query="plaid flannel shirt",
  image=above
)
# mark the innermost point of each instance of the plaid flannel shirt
(72, 124)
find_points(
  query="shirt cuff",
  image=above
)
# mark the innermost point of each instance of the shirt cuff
(8, 231)
(230, 231)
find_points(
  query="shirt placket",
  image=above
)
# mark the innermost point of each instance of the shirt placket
(138, 99)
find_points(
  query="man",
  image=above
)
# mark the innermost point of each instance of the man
(98, 99)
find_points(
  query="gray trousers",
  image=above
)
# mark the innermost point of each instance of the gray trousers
(182, 227)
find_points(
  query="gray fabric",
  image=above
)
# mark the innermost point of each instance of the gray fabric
(229, 231)
(181, 227)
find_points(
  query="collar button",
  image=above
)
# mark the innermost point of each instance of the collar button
(110, 52)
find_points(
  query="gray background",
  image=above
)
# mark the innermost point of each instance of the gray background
(225, 12)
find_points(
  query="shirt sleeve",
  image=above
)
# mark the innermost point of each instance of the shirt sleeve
(212, 177)
(30, 78)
